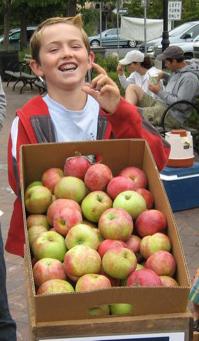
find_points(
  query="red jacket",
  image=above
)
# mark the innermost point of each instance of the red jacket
(35, 126)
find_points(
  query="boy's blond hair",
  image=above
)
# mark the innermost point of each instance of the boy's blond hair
(35, 41)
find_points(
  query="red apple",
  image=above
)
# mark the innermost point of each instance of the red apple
(49, 244)
(55, 286)
(119, 184)
(168, 281)
(37, 199)
(162, 262)
(65, 219)
(150, 222)
(81, 260)
(90, 282)
(94, 204)
(144, 278)
(47, 268)
(82, 234)
(133, 243)
(115, 223)
(58, 204)
(151, 244)
(51, 177)
(76, 166)
(70, 187)
(37, 219)
(130, 201)
(106, 244)
(136, 174)
(119, 262)
(148, 197)
(97, 177)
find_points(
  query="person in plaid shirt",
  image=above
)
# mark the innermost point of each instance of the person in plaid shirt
(194, 299)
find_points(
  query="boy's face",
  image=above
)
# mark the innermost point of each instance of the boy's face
(64, 59)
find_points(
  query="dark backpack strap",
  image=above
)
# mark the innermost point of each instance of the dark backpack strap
(43, 128)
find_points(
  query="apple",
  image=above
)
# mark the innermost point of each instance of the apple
(161, 262)
(119, 262)
(94, 204)
(121, 309)
(106, 244)
(55, 286)
(57, 205)
(97, 177)
(37, 199)
(101, 310)
(148, 197)
(115, 223)
(130, 201)
(143, 278)
(34, 232)
(76, 166)
(136, 174)
(65, 219)
(82, 234)
(168, 281)
(119, 184)
(49, 245)
(37, 219)
(150, 244)
(70, 187)
(47, 268)
(150, 222)
(51, 177)
(81, 260)
(133, 243)
(33, 184)
(91, 282)
(139, 266)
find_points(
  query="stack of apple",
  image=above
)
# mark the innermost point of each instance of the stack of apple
(91, 230)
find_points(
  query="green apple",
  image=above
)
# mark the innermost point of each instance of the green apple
(70, 187)
(130, 201)
(34, 232)
(37, 199)
(94, 204)
(37, 219)
(49, 245)
(119, 262)
(55, 286)
(101, 310)
(82, 234)
(121, 309)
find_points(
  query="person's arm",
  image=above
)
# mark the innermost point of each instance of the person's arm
(187, 90)
(2, 105)
(124, 117)
(127, 122)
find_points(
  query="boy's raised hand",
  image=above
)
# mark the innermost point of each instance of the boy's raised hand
(103, 89)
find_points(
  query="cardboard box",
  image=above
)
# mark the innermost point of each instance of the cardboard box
(117, 154)
(182, 186)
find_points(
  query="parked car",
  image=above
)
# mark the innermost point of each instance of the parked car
(14, 36)
(183, 33)
(196, 49)
(110, 38)
(187, 47)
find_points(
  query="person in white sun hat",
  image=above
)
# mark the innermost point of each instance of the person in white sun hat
(140, 68)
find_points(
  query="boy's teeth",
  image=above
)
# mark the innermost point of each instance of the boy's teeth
(70, 67)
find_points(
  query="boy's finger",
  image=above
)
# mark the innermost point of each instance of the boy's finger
(99, 69)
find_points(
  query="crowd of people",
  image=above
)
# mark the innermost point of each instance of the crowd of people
(74, 110)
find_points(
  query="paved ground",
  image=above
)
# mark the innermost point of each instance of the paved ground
(187, 222)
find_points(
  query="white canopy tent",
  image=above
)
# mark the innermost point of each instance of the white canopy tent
(133, 28)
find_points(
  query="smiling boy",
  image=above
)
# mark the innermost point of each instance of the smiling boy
(72, 110)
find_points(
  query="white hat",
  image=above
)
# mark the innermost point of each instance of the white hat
(132, 56)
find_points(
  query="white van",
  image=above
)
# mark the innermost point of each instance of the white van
(182, 33)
